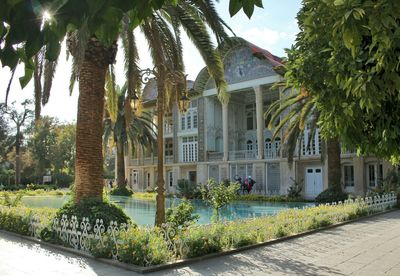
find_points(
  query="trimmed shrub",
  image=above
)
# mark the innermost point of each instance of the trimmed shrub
(121, 191)
(332, 194)
(181, 215)
(16, 219)
(94, 209)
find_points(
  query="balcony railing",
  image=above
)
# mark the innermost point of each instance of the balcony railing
(242, 155)
(215, 156)
(150, 161)
(169, 159)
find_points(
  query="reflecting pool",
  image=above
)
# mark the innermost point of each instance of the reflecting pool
(143, 211)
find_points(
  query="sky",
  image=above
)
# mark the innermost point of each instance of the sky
(273, 28)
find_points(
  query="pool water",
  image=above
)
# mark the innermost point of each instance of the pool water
(143, 211)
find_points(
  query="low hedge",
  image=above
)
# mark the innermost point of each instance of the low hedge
(121, 191)
(150, 246)
(332, 194)
(277, 198)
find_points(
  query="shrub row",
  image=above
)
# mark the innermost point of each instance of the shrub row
(151, 246)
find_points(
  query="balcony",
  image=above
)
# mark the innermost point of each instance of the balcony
(169, 159)
(242, 155)
(150, 161)
(215, 156)
(168, 130)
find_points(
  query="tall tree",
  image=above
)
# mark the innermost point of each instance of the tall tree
(19, 119)
(23, 32)
(41, 143)
(163, 33)
(290, 115)
(346, 56)
(128, 130)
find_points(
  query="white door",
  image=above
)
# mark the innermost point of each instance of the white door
(313, 184)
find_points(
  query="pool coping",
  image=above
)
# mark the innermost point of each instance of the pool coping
(183, 262)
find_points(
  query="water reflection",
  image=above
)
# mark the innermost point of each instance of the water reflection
(143, 211)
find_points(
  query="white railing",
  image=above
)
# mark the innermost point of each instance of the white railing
(134, 162)
(169, 159)
(242, 155)
(215, 156)
(149, 160)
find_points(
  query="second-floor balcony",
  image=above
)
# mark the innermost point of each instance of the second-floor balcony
(150, 161)
(270, 153)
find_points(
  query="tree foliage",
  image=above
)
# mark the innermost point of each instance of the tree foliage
(25, 28)
(347, 56)
(52, 147)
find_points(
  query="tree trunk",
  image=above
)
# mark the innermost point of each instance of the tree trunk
(89, 127)
(18, 158)
(160, 198)
(334, 166)
(120, 165)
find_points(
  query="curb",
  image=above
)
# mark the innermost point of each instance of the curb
(180, 263)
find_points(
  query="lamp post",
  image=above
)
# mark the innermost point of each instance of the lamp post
(177, 80)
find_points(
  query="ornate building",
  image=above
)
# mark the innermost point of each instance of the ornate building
(214, 140)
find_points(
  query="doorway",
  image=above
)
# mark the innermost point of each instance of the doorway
(313, 184)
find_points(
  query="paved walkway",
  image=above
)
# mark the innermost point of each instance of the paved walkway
(368, 247)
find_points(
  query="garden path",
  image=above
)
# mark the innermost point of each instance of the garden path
(366, 247)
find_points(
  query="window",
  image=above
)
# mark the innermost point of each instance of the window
(195, 119)
(277, 147)
(268, 148)
(168, 126)
(249, 146)
(192, 177)
(375, 174)
(189, 149)
(135, 176)
(348, 173)
(189, 120)
(311, 141)
(183, 122)
(148, 179)
(250, 120)
(170, 178)
(169, 150)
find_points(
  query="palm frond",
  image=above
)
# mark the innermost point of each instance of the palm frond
(77, 43)
(48, 74)
(111, 95)
(197, 33)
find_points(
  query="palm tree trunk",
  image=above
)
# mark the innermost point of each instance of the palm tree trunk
(18, 158)
(120, 164)
(160, 198)
(89, 130)
(334, 166)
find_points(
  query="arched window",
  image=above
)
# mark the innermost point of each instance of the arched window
(249, 145)
(268, 148)
(277, 146)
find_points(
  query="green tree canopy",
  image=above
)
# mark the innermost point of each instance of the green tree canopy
(347, 57)
(28, 26)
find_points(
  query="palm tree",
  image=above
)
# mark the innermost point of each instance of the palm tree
(162, 32)
(125, 127)
(297, 110)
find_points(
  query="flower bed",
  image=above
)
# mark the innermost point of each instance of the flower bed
(147, 246)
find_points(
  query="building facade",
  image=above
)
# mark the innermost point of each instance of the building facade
(214, 140)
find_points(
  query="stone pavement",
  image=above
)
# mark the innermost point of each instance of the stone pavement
(367, 247)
